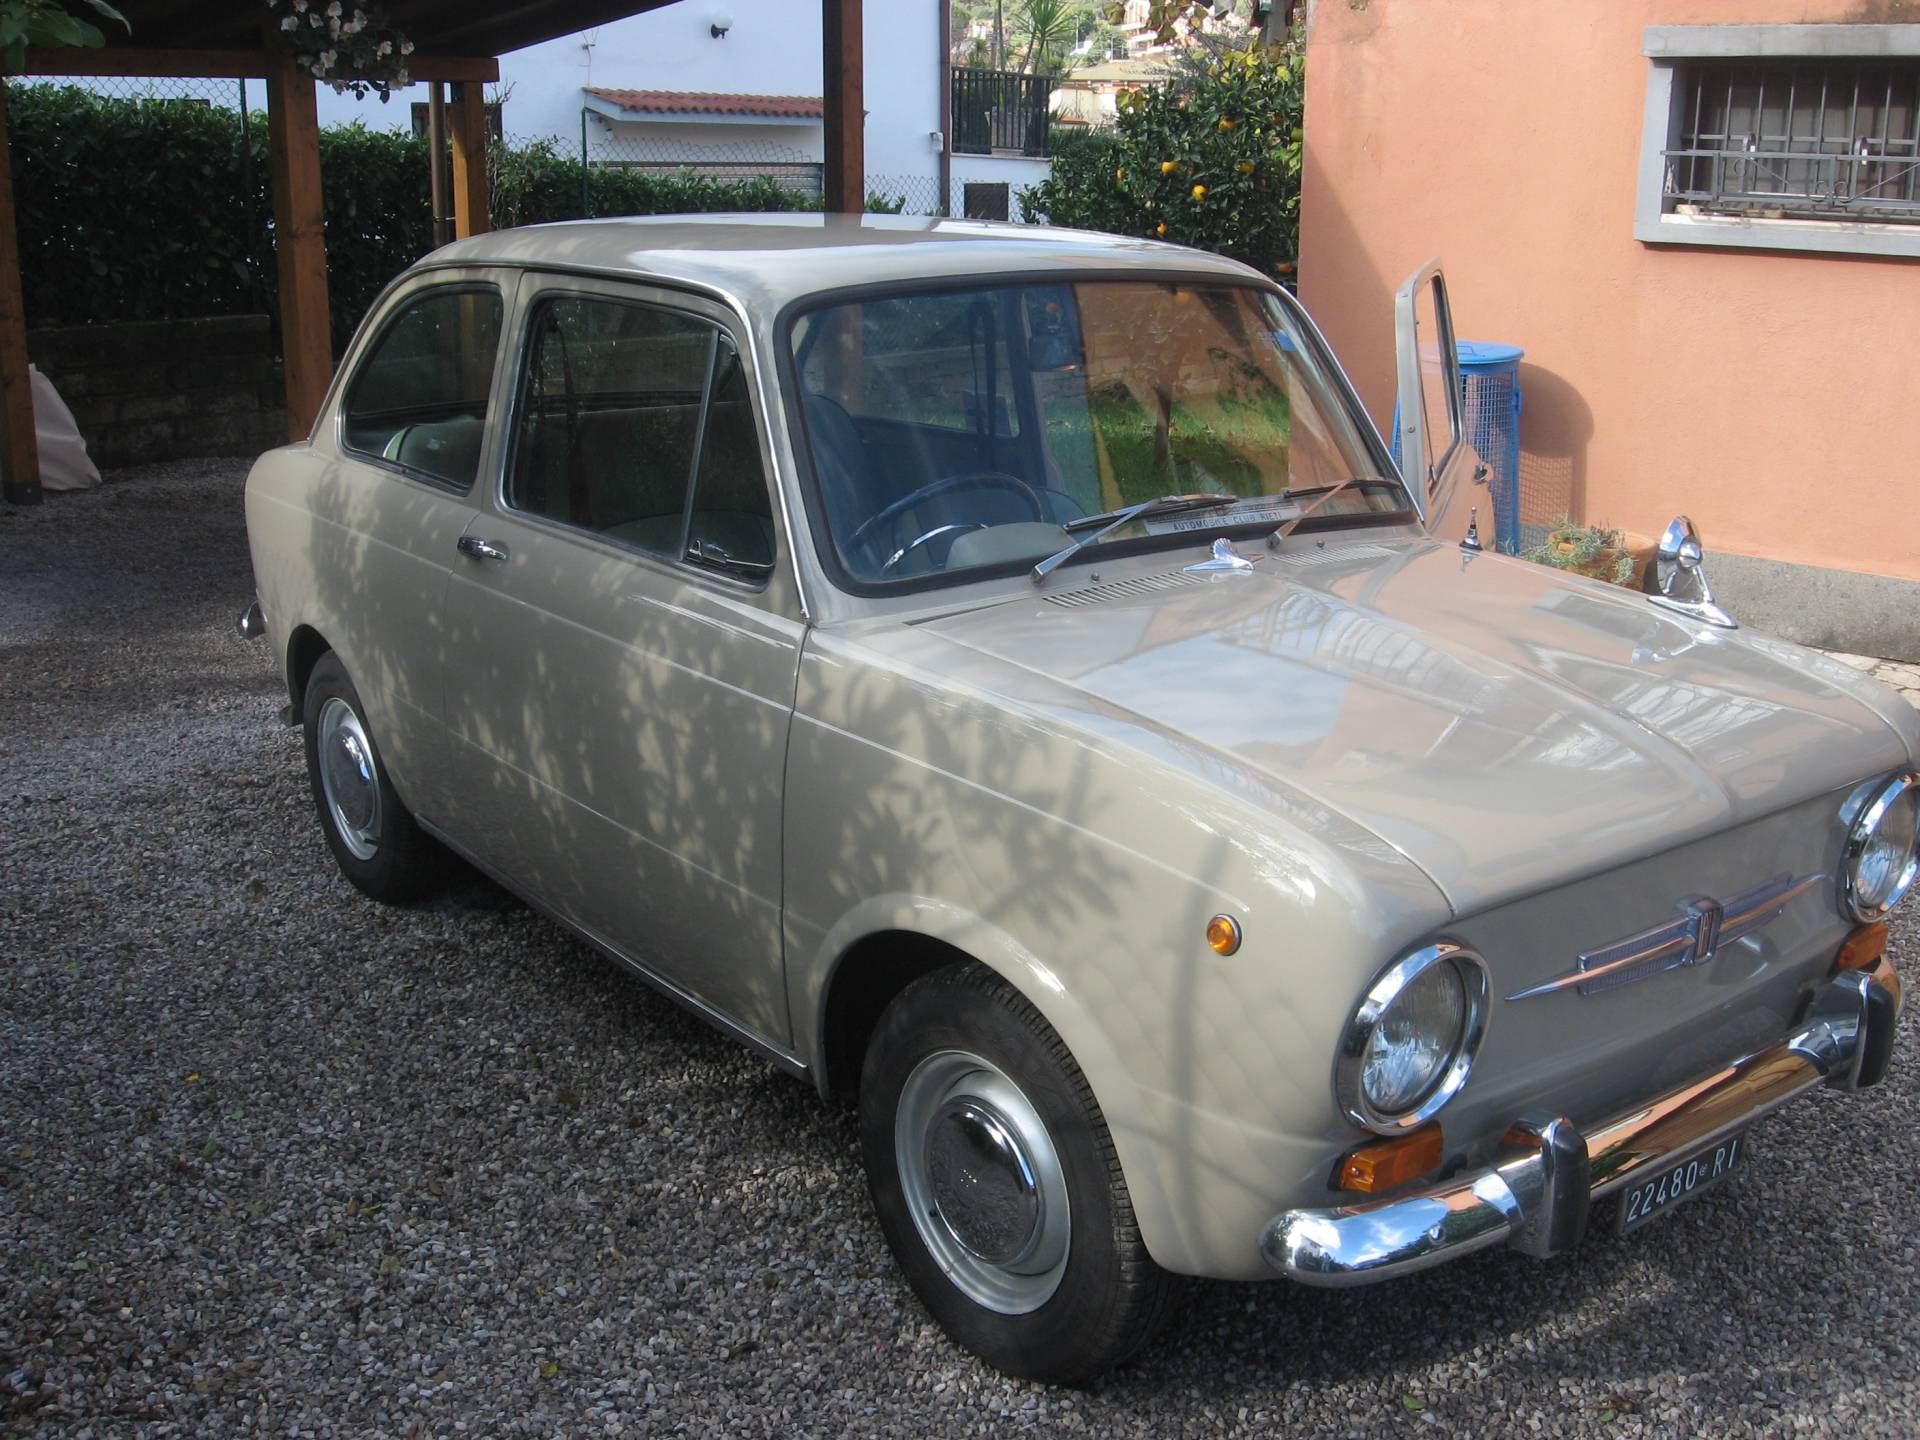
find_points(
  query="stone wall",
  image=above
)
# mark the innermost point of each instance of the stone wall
(168, 389)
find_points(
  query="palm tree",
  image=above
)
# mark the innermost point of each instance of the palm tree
(1048, 28)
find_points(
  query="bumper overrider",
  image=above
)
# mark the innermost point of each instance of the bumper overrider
(1536, 1195)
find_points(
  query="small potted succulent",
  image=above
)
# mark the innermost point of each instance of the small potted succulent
(1593, 550)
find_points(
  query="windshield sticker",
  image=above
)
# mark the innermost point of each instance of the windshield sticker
(1255, 512)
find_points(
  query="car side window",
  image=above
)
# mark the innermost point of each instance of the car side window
(634, 423)
(419, 398)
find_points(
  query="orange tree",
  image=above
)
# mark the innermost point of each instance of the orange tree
(1211, 160)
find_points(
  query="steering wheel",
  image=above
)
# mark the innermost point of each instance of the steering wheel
(914, 544)
(969, 479)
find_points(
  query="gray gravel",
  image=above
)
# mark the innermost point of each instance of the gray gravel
(277, 1160)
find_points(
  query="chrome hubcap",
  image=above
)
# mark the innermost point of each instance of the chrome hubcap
(983, 1181)
(348, 778)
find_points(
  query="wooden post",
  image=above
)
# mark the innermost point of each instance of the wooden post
(946, 110)
(19, 450)
(437, 162)
(845, 106)
(299, 240)
(469, 160)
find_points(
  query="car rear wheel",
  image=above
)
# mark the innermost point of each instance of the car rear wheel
(997, 1185)
(372, 834)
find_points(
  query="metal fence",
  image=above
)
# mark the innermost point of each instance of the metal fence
(1000, 112)
(225, 94)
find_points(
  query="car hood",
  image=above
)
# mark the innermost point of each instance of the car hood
(1504, 726)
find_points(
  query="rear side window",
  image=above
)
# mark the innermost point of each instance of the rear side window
(634, 423)
(419, 398)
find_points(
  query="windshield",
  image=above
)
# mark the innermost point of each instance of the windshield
(963, 431)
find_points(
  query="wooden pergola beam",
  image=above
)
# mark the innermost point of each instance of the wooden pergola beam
(299, 241)
(19, 449)
(124, 60)
(842, 89)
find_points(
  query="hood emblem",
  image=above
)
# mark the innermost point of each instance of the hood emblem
(1693, 937)
(1225, 560)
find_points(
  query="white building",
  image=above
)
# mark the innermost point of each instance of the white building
(725, 85)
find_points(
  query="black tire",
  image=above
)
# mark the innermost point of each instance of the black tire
(1109, 1298)
(392, 859)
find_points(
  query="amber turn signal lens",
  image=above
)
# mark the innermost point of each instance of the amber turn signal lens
(1382, 1164)
(1223, 934)
(1862, 949)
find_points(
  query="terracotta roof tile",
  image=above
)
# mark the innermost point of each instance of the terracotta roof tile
(704, 102)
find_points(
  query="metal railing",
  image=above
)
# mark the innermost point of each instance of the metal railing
(1000, 112)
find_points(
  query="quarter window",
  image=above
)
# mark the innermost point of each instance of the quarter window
(419, 399)
(635, 424)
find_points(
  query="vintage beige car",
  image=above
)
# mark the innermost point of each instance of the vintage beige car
(1001, 675)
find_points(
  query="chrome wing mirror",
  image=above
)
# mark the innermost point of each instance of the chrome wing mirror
(1678, 578)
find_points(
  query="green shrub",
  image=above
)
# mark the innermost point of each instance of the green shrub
(1212, 162)
(150, 210)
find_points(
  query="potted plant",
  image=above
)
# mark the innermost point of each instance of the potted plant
(1594, 550)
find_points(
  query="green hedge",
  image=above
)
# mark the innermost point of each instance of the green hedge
(156, 210)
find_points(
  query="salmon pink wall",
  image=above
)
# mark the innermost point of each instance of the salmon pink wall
(1773, 396)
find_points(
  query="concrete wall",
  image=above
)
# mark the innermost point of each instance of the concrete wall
(1769, 394)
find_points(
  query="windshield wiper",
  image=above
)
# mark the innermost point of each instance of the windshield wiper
(1111, 520)
(1321, 494)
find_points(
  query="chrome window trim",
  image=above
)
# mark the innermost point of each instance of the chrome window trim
(1350, 1093)
(1859, 833)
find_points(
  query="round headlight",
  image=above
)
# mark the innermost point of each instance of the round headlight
(1883, 850)
(1409, 1045)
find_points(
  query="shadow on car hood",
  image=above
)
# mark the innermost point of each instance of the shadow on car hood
(1504, 726)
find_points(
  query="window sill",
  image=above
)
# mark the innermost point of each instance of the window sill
(1833, 237)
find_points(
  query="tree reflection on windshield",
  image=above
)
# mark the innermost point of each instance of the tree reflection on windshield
(960, 429)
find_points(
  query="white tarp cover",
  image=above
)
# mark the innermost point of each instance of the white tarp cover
(63, 454)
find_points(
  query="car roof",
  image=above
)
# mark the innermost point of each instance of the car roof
(764, 261)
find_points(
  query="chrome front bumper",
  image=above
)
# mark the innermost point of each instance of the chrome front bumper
(1536, 1195)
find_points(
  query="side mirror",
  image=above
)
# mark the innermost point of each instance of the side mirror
(1677, 579)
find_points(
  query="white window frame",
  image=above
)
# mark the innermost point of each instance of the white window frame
(1668, 48)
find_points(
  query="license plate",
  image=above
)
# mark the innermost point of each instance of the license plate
(1680, 1180)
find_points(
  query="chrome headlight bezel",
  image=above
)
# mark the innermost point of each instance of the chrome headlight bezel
(1861, 834)
(1350, 1059)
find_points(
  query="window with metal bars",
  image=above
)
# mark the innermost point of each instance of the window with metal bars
(1797, 138)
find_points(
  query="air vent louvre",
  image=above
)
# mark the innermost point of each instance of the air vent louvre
(1335, 555)
(1125, 589)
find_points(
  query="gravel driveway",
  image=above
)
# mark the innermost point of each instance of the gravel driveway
(274, 1159)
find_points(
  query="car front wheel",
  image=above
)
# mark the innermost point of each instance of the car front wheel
(997, 1185)
(372, 834)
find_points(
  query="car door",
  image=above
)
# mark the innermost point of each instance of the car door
(410, 432)
(623, 645)
(1446, 478)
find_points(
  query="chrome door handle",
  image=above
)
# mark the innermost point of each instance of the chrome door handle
(478, 549)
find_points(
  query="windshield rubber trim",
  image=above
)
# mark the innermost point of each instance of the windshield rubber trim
(802, 446)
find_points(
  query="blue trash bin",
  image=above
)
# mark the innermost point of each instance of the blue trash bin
(1490, 409)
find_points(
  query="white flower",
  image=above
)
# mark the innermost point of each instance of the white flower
(327, 57)
(333, 9)
(292, 22)
(299, 7)
(386, 48)
(400, 77)
(406, 47)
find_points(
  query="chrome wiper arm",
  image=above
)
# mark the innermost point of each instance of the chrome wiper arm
(1112, 520)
